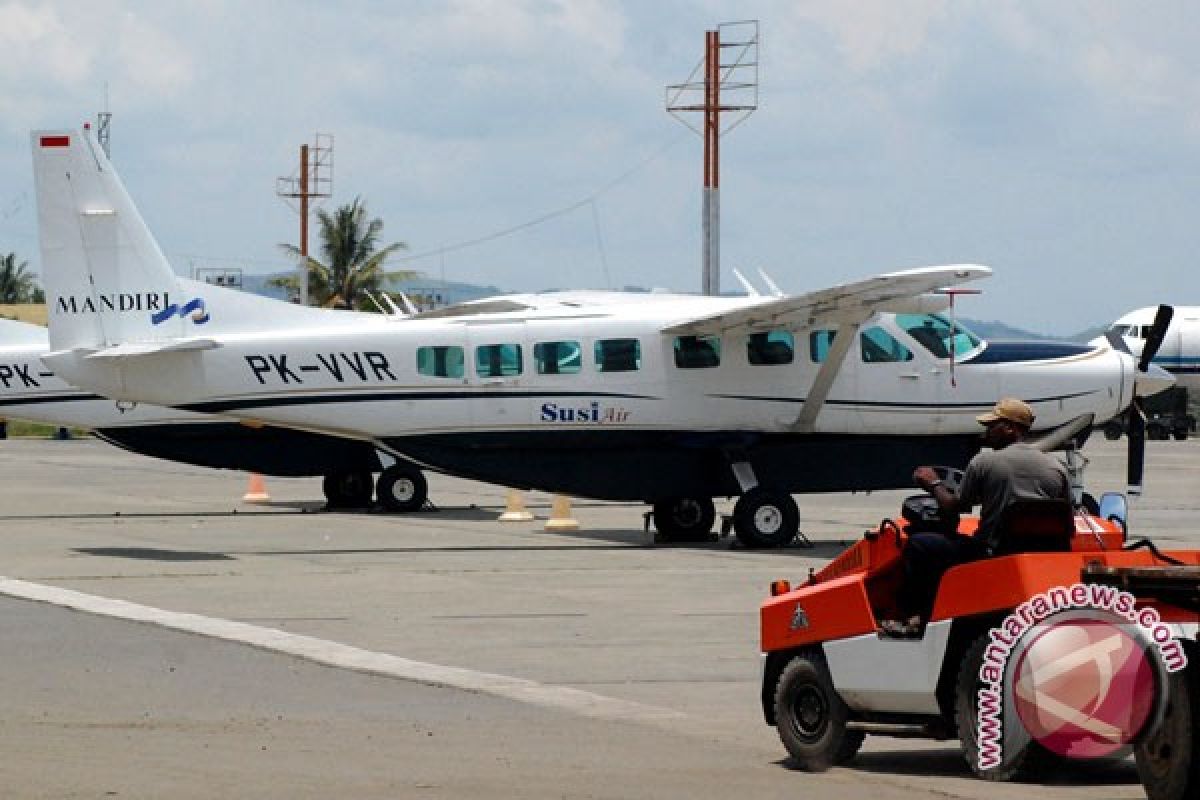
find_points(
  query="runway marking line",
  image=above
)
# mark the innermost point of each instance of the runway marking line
(343, 656)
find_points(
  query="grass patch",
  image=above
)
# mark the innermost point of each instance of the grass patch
(21, 428)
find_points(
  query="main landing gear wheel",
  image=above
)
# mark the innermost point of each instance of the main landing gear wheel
(1168, 760)
(401, 487)
(348, 489)
(685, 519)
(765, 518)
(811, 716)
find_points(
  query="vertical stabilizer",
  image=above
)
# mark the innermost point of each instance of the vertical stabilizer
(107, 282)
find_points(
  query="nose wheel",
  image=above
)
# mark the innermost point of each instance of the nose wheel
(766, 518)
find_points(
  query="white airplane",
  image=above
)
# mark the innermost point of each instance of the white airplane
(1179, 353)
(30, 391)
(668, 399)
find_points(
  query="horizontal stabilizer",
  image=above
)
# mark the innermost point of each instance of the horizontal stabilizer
(130, 349)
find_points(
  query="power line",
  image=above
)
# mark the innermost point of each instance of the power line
(590, 199)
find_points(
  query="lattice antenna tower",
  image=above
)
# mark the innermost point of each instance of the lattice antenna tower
(312, 183)
(725, 81)
(103, 122)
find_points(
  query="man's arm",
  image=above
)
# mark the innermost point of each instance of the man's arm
(928, 480)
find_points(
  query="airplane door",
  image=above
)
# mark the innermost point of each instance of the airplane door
(497, 363)
(905, 385)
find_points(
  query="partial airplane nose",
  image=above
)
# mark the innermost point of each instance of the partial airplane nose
(1154, 380)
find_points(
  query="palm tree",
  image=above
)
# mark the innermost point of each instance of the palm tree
(352, 265)
(17, 284)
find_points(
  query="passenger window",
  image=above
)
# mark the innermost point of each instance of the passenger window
(880, 347)
(618, 355)
(772, 347)
(440, 362)
(557, 358)
(697, 352)
(819, 343)
(498, 360)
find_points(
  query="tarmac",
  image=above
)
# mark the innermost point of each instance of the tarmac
(163, 639)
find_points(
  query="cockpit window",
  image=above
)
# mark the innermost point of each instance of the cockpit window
(938, 335)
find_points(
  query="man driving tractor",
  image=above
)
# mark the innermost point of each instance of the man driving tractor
(1011, 470)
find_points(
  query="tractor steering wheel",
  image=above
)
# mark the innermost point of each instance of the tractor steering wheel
(951, 477)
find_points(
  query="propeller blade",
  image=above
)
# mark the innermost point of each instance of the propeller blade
(1154, 339)
(1137, 446)
(1117, 341)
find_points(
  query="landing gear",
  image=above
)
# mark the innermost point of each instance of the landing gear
(811, 717)
(401, 487)
(348, 489)
(685, 519)
(766, 518)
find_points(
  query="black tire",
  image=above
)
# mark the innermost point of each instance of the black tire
(764, 518)
(811, 716)
(401, 487)
(1113, 431)
(1180, 435)
(348, 489)
(1156, 432)
(685, 519)
(1168, 759)
(1016, 746)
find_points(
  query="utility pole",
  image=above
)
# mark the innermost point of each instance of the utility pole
(314, 182)
(737, 75)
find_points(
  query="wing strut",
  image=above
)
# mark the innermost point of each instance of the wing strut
(819, 391)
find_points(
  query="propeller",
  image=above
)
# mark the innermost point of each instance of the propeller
(1136, 460)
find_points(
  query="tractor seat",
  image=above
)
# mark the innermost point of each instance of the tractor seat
(1041, 525)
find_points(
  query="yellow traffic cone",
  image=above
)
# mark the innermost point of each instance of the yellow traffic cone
(514, 508)
(560, 515)
(256, 492)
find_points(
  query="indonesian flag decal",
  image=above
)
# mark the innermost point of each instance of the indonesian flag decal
(55, 141)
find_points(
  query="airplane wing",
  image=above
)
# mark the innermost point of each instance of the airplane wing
(901, 291)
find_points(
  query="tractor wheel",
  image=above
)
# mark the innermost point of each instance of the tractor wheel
(401, 487)
(1168, 760)
(763, 518)
(348, 489)
(811, 717)
(1016, 747)
(685, 519)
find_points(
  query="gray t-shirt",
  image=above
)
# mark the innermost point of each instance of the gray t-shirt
(995, 478)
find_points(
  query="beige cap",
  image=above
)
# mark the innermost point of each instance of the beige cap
(1011, 409)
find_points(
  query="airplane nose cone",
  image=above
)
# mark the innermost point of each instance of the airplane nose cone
(1154, 380)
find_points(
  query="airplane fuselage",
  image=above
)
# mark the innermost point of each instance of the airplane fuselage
(585, 394)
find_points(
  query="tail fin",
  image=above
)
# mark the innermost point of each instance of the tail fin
(107, 282)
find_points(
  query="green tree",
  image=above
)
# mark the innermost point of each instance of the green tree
(17, 283)
(351, 261)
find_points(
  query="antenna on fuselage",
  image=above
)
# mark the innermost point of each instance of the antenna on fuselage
(775, 290)
(749, 287)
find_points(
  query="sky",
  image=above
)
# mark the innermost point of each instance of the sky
(1058, 143)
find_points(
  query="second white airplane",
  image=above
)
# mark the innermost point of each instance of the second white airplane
(668, 399)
